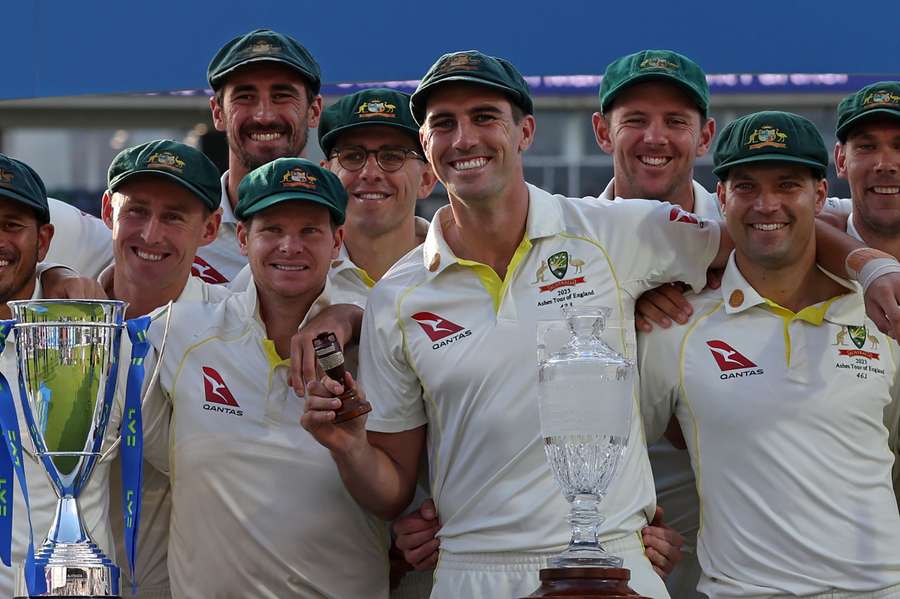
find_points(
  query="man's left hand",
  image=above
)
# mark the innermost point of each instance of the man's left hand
(662, 544)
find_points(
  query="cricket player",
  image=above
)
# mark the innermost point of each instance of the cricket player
(779, 383)
(250, 489)
(25, 235)
(161, 205)
(471, 295)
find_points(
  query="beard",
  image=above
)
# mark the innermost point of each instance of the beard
(296, 143)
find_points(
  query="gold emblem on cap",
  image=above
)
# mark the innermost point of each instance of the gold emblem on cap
(261, 47)
(376, 107)
(297, 177)
(435, 263)
(767, 136)
(658, 62)
(458, 62)
(166, 160)
(881, 97)
(6, 176)
(736, 298)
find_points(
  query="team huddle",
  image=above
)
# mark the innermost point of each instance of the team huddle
(765, 418)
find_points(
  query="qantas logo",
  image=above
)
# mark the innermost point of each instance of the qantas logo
(440, 330)
(206, 273)
(218, 396)
(678, 215)
(730, 359)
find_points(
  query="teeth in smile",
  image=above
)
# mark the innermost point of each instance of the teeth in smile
(264, 136)
(465, 165)
(654, 160)
(886, 190)
(291, 267)
(769, 226)
(148, 256)
(371, 196)
(4, 263)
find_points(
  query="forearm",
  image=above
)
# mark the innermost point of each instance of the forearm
(726, 245)
(374, 479)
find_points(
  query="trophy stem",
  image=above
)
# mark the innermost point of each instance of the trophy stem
(584, 548)
(67, 527)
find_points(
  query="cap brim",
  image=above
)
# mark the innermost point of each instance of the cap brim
(422, 93)
(698, 98)
(44, 211)
(217, 81)
(118, 181)
(842, 131)
(328, 140)
(726, 166)
(285, 196)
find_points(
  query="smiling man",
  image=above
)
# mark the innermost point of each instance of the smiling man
(266, 98)
(779, 383)
(250, 489)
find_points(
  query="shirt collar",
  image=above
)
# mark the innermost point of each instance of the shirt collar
(344, 263)
(739, 296)
(706, 204)
(545, 219)
(227, 212)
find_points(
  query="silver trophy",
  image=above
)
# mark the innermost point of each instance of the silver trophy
(68, 358)
(585, 399)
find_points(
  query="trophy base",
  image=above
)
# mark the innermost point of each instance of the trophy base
(351, 407)
(585, 583)
(72, 570)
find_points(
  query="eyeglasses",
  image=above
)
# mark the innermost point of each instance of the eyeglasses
(390, 160)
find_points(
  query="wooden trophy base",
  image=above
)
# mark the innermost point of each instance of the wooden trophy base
(351, 407)
(585, 583)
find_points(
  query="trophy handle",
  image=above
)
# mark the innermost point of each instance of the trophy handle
(105, 456)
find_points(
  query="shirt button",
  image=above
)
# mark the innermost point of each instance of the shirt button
(435, 263)
(736, 298)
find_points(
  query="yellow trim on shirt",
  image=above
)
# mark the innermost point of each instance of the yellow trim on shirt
(489, 278)
(272, 355)
(364, 276)
(814, 315)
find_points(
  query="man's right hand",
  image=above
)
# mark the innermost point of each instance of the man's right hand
(319, 412)
(417, 536)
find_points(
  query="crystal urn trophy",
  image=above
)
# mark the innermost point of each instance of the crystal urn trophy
(67, 355)
(585, 399)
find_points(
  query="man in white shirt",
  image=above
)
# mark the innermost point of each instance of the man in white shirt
(779, 383)
(250, 489)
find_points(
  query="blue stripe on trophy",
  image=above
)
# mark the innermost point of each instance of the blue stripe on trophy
(12, 457)
(132, 448)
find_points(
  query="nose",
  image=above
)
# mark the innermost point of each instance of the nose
(767, 203)
(151, 233)
(465, 138)
(265, 111)
(370, 170)
(290, 245)
(654, 133)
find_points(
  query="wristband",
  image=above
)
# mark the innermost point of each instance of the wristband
(867, 264)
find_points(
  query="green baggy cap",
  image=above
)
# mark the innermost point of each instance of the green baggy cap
(375, 106)
(21, 183)
(287, 179)
(472, 66)
(187, 166)
(878, 99)
(659, 65)
(770, 136)
(263, 45)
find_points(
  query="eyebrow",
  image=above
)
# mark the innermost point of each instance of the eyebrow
(474, 110)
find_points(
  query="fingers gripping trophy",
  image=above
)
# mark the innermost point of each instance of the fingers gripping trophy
(67, 357)
(585, 393)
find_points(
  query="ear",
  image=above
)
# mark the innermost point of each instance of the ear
(821, 194)
(106, 209)
(720, 193)
(426, 182)
(707, 134)
(600, 125)
(840, 160)
(314, 112)
(218, 114)
(338, 241)
(211, 227)
(242, 233)
(527, 126)
(45, 235)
